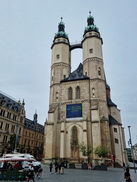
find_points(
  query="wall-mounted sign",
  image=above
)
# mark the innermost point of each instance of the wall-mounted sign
(74, 111)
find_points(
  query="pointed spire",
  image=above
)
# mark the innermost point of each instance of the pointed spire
(61, 30)
(35, 117)
(90, 24)
(61, 27)
(90, 19)
(23, 102)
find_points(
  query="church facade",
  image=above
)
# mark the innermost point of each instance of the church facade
(80, 106)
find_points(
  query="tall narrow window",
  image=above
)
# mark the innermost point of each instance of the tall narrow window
(93, 92)
(57, 96)
(99, 72)
(74, 142)
(1, 124)
(70, 93)
(77, 92)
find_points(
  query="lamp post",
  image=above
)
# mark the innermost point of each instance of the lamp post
(130, 142)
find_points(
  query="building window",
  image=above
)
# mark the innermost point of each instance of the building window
(74, 142)
(1, 124)
(86, 73)
(70, 93)
(9, 115)
(20, 130)
(93, 92)
(7, 127)
(115, 130)
(77, 92)
(99, 72)
(64, 76)
(12, 129)
(2, 112)
(116, 140)
(90, 50)
(57, 56)
(5, 139)
(14, 117)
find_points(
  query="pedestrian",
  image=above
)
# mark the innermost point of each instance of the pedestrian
(89, 166)
(59, 167)
(56, 167)
(31, 175)
(124, 166)
(39, 174)
(62, 167)
(127, 175)
(50, 167)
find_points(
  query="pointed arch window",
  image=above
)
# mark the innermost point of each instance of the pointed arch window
(70, 93)
(77, 92)
(74, 142)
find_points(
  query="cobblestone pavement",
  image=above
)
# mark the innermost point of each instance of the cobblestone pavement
(81, 175)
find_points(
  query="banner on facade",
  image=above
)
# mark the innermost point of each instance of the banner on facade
(74, 111)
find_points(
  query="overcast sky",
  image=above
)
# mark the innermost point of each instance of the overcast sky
(27, 29)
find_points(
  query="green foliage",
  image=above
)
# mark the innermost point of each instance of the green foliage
(101, 151)
(85, 149)
(12, 141)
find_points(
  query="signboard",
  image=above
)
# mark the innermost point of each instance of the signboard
(74, 111)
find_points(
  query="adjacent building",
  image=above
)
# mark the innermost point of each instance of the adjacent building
(12, 114)
(33, 137)
(18, 133)
(80, 108)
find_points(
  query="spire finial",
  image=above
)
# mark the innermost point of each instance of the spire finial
(89, 13)
(61, 18)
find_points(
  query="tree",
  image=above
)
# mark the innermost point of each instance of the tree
(101, 151)
(12, 141)
(85, 149)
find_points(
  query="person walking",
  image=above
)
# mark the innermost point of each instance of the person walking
(62, 167)
(31, 175)
(59, 167)
(56, 167)
(50, 167)
(127, 175)
(124, 166)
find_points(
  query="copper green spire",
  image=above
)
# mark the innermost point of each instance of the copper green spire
(61, 30)
(61, 27)
(90, 19)
(90, 24)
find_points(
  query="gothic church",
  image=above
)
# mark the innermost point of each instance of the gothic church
(80, 106)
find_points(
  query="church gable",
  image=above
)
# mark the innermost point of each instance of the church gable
(76, 75)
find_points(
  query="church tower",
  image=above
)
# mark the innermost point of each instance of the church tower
(94, 69)
(60, 62)
(80, 108)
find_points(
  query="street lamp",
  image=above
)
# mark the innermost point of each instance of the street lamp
(130, 142)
